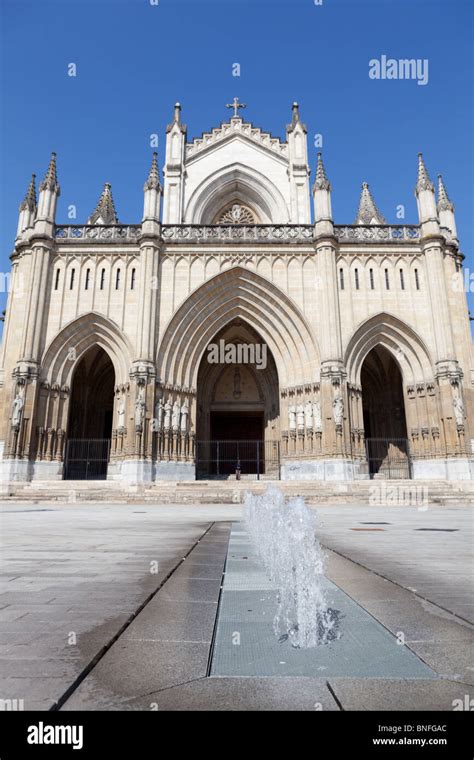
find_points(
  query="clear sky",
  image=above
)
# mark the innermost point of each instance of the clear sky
(134, 59)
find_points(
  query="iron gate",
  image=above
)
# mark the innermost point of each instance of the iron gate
(250, 460)
(388, 458)
(86, 458)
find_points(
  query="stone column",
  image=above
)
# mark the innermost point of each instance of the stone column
(147, 301)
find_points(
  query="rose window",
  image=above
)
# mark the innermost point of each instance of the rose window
(236, 214)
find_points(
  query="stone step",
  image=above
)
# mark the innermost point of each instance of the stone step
(210, 492)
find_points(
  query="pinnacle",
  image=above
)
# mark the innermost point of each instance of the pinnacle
(50, 181)
(368, 212)
(29, 201)
(153, 180)
(444, 204)
(104, 212)
(321, 182)
(423, 181)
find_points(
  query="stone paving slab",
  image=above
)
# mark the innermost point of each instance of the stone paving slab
(73, 547)
(132, 668)
(37, 693)
(174, 621)
(397, 694)
(81, 569)
(168, 643)
(438, 564)
(191, 590)
(225, 694)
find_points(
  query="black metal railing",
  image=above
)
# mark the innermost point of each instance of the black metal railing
(250, 460)
(86, 458)
(388, 458)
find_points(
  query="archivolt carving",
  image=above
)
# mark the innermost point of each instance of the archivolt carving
(399, 338)
(238, 292)
(71, 343)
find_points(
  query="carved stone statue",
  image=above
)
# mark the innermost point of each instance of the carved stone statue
(159, 413)
(236, 212)
(292, 417)
(458, 410)
(317, 415)
(308, 415)
(167, 423)
(300, 416)
(139, 413)
(184, 416)
(175, 416)
(17, 409)
(121, 414)
(338, 410)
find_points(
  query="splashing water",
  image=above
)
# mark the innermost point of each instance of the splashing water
(284, 537)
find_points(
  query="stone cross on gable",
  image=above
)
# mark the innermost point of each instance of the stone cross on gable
(236, 105)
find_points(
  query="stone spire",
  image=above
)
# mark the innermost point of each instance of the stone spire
(153, 180)
(368, 212)
(446, 209)
(426, 201)
(152, 200)
(423, 181)
(321, 182)
(29, 202)
(104, 212)
(444, 204)
(49, 192)
(50, 181)
(27, 209)
(323, 224)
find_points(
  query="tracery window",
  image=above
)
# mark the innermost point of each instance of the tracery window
(235, 214)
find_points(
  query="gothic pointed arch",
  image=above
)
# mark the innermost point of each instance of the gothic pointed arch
(76, 338)
(401, 340)
(240, 185)
(232, 294)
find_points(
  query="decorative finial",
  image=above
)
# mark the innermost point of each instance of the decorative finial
(29, 202)
(423, 181)
(104, 212)
(50, 181)
(368, 212)
(296, 113)
(321, 182)
(236, 105)
(176, 120)
(444, 204)
(153, 180)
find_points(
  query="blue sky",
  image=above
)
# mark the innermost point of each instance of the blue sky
(134, 60)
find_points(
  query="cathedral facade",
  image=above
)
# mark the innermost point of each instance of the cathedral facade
(237, 330)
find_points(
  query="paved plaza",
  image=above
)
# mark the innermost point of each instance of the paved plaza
(133, 607)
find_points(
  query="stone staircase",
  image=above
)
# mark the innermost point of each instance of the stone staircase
(377, 492)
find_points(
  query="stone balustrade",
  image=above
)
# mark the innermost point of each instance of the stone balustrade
(237, 233)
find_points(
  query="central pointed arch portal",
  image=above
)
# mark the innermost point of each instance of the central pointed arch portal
(237, 419)
(232, 346)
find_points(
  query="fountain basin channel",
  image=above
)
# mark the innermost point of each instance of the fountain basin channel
(245, 643)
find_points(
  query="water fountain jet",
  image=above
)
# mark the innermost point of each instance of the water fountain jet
(284, 537)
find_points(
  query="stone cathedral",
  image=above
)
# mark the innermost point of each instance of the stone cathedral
(237, 330)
